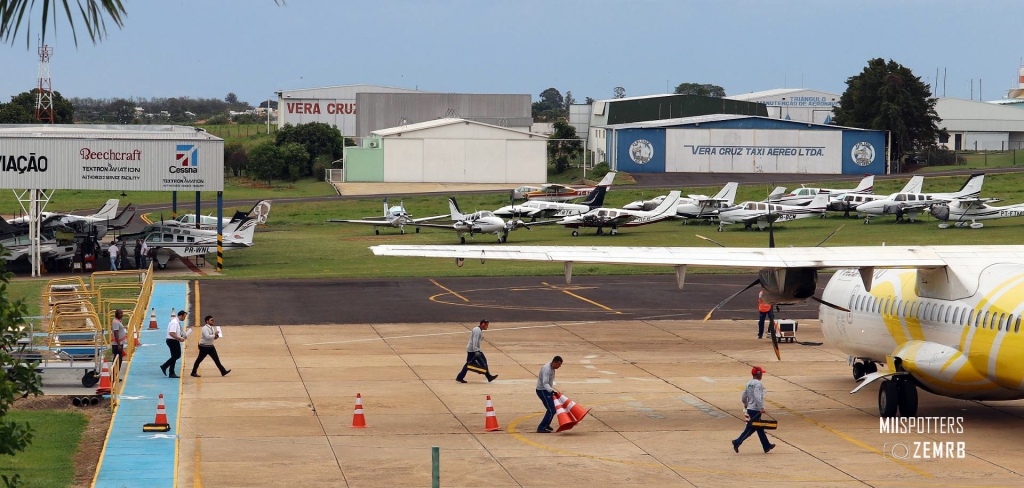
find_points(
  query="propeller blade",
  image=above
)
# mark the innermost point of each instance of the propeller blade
(720, 305)
(827, 304)
(775, 338)
(710, 240)
(829, 236)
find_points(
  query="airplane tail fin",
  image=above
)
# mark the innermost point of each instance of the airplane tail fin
(668, 206)
(108, 211)
(124, 218)
(914, 185)
(596, 198)
(241, 230)
(607, 180)
(971, 188)
(776, 193)
(728, 193)
(7, 228)
(385, 207)
(820, 201)
(453, 206)
(867, 185)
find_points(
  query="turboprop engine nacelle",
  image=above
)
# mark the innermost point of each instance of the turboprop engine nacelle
(788, 286)
(943, 370)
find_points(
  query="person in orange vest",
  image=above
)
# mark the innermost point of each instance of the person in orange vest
(765, 310)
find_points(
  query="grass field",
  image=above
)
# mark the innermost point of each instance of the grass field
(981, 161)
(49, 461)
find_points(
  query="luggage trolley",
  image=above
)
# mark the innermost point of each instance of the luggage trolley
(785, 330)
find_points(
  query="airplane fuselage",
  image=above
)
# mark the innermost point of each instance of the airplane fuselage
(969, 348)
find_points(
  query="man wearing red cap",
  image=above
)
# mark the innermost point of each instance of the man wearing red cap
(753, 401)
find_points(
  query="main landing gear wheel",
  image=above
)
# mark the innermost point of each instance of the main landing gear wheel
(897, 395)
(462, 239)
(720, 228)
(403, 231)
(614, 231)
(575, 233)
(90, 379)
(600, 231)
(870, 367)
(858, 371)
(417, 230)
(376, 232)
(887, 401)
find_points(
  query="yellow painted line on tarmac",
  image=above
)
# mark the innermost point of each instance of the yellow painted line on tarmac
(436, 299)
(145, 218)
(197, 454)
(567, 292)
(451, 292)
(851, 440)
(512, 429)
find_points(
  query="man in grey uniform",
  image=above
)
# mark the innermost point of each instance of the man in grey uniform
(545, 390)
(753, 401)
(475, 359)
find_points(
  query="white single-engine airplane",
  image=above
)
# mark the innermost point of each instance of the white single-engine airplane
(617, 217)
(961, 210)
(553, 192)
(479, 222)
(804, 195)
(395, 216)
(911, 204)
(850, 202)
(544, 209)
(693, 206)
(168, 241)
(763, 214)
(946, 319)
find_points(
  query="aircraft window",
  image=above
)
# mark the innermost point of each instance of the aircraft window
(1016, 326)
(984, 322)
(901, 198)
(1002, 321)
(956, 315)
(857, 306)
(924, 313)
(944, 313)
(885, 307)
(168, 238)
(762, 206)
(970, 317)
(921, 307)
(934, 314)
(191, 239)
(852, 300)
(874, 305)
(181, 238)
(153, 238)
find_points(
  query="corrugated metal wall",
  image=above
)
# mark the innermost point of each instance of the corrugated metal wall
(386, 110)
(677, 106)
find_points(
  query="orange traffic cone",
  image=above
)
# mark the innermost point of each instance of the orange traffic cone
(160, 424)
(137, 341)
(565, 421)
(104, 388)
(152, 319)
(577, 411)
(491, 423)
(358, 421)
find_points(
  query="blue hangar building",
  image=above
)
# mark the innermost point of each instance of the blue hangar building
(728, 143)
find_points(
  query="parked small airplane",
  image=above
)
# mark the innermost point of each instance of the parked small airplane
(619, 217)
(209, 222)
(760, 213)
(544, 209)
(554, 192)
(804, 195)
(96, 225)
(959, 211)
(395, 216)
(168, 241)
(55, 243)
(479, 222)
(850, 202)
(107, 212)
(911, 204)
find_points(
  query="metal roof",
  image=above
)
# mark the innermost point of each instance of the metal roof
(430, 124)
(768, 93)
(653, 124)
(101, 131)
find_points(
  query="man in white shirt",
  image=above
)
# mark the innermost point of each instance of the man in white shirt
(175, 336)
(206, 347)
(545, 391)
(753, 402)
(475, 359)
(145, 254)
(113, 255)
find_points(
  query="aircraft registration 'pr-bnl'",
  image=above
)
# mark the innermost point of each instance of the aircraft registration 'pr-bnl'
(946, 319)
(395, 216)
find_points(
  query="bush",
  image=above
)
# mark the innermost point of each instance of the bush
(219, 119)
(295, 171)
(320, 165)
(599, 171)
(936, 156)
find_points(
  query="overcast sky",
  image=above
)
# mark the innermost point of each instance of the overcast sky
(204, 48)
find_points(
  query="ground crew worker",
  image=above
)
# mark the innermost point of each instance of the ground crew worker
(475, 359)
(113, 255)
(765, 310)
(753, 402)
(118, 337)
(545, 391)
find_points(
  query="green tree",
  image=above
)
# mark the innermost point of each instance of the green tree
(317, 137)
(550, 106)
(236, 157)
(887, 96)
(231, 98)
(295, 158)
(120, 111)
(20, 378)
(588, 101)
(63, 110)
(569, 100)
(618, 92)
(702, 89)
(16, 114)
(564, 145)
(265, 162)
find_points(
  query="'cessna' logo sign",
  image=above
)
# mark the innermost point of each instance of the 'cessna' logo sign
(186, 159)
(21, 163)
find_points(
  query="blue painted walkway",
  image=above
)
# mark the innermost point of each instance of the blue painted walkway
(146, 459)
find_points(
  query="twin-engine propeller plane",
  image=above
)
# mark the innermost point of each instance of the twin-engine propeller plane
(966, 212)
(543, 209)
(804, 195)
(693, 206)
(614, 218)
(479, 222)
(395, 217)
(945, 319)
(763, 214)
(553, 192)
(910, 204)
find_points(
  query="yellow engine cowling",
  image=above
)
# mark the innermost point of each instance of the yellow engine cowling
(946, 371)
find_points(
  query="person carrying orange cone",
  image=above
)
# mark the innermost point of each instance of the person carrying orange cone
(491, 422)
(160, 423)
(565, 421)
(545, 390)
(358, 421)
(104, 381)
(577, 411)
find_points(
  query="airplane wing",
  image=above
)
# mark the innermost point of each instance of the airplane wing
(366, 222)
(427, 219)
(745, 258)
(439, 226)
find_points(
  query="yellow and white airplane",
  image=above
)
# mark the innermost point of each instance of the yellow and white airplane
(946, 319)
